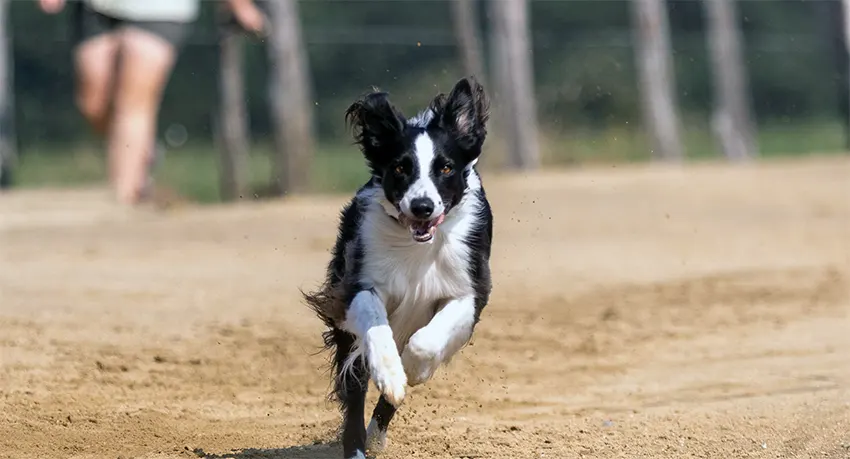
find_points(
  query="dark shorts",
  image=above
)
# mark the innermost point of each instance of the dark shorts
(90, 23)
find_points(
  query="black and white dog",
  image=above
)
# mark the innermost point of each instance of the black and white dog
(410, 272)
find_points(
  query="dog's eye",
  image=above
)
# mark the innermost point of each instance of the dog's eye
(399, 169)
(446, 170)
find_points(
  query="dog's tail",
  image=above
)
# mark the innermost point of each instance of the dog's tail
(328, 304)
(321, 301)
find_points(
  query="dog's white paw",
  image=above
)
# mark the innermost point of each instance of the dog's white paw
(421, 357)
(385, 364)
(376, 439)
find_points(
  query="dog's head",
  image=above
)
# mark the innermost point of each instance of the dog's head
(422, 163)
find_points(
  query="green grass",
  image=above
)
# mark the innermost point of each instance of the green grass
(338, 168)
(619, 145)
(193, 172)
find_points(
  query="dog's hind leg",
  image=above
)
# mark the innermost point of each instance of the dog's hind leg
(350, 384)
(376, 434)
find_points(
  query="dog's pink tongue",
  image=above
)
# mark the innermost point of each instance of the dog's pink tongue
(433, 224)
(438, 221)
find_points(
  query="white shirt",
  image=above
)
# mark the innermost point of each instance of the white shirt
(148, 10)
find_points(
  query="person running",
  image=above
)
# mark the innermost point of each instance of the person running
(123, 57)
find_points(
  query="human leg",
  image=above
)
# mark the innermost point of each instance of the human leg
(145, 65)
(95, 59)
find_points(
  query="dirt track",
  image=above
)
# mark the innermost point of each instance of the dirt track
(636, 313)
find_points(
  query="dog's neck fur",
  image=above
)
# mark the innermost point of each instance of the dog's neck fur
(414, 278)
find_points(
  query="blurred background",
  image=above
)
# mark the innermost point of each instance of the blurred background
(573, 82)
(640, 311)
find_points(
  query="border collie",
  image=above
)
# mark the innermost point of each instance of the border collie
(410, 270)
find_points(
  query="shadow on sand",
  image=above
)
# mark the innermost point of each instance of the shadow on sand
(318, 451)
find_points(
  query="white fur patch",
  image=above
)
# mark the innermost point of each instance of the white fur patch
(437, 342)
(366, 319)
(385, 364)
(415, 279)
(422, 119)
(423, 185)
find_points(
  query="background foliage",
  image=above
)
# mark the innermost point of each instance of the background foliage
(584, 76)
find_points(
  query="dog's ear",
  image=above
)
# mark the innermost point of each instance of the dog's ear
(378, 127)
(464, 115)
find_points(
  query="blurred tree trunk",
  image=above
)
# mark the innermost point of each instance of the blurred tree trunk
(465, 20)
(290, 95)
(232, 111)
(500, 105)
(733, 118)
(846, 71)
(8, 150)
(656, 80)
(831, 19)
(515, 82)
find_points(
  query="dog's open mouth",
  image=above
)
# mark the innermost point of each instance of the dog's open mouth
(422, 230)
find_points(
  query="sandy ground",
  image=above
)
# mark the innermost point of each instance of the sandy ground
(637, 312)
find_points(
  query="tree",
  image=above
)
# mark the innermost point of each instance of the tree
(8, 150)
(290, 96)
(732, 120)
(831, 32)
(465, 20)
(232, 119)
(846, 72)
(656, 80)
(514, 82)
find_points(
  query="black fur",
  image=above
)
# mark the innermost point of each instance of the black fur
(480, 242)
(457, 130)
(379, 129)
(383, 414)
(329, 303)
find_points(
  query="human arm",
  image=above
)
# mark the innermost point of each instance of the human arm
(51, 6)
(246, 13)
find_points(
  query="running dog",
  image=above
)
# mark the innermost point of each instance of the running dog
(410, 270)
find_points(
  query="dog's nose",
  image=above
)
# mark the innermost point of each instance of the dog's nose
(422, 207)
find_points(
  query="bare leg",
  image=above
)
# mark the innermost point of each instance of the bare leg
(146, 63)
(95, 61)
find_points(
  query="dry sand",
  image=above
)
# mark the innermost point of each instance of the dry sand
(637, 312)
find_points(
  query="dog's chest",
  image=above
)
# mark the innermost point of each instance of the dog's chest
(419, 273)
(413, 280)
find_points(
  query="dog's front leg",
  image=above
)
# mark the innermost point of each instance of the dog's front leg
(447, 332)
(366, 319)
